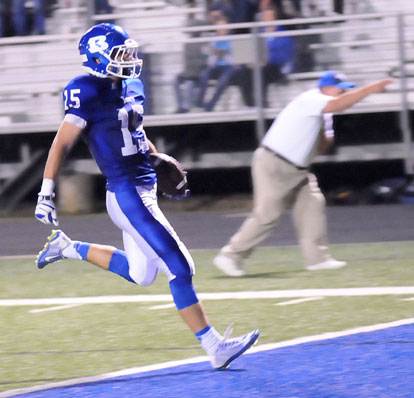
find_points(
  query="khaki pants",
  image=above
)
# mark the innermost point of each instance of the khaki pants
(277, 186)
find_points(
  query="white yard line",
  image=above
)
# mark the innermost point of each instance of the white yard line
(22, 256)
(59, 307)
(298, 301)
(161, 307)
(170, 364)
(249, 295)
(237, 215)
(408, 299)
(87, 300)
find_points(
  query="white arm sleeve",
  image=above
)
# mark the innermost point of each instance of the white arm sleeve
(76, 120)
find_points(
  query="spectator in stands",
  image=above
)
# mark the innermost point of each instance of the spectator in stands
(20, 17)
(279, 6)
(235, 11)
(280, 54)
(338, 6)
(195, 61)
(281, 177)
(6, 23)
(2, 30)
(219, 67)
(102, 7)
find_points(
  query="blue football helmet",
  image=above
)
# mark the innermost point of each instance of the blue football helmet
(106, 49)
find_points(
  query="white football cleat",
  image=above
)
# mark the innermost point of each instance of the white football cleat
(328, 264)
(228, 265)
(52, 252)
(229, 349)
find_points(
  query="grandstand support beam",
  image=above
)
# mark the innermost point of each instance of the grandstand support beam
(75, 193)
(258, 87)
(404, 114)
(23, 182)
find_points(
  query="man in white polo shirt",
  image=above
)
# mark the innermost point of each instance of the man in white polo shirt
(281, 178)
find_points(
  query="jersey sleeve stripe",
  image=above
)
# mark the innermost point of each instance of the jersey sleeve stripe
(76, 120)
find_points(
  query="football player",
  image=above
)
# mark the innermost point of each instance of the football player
(105, 107)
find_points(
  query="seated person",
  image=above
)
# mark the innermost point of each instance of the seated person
(219, 67)
(235, 11)
(280, 55)
(21, 15)
(186, 82)
(279, 6)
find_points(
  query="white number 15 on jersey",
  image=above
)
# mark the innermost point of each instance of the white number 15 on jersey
(72, 98)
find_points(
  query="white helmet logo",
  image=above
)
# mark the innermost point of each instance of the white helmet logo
(97, 44)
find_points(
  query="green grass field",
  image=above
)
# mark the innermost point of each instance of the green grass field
(41, 347)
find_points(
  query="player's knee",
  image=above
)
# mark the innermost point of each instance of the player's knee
(178, 263)
(182, 271)
(183, 292)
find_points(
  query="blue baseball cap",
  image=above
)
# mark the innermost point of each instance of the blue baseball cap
(333, 78)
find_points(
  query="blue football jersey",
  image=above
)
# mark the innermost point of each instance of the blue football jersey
(114, 131)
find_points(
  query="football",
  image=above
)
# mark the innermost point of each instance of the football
(171, 176)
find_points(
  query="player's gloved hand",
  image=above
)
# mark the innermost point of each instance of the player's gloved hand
(186, 194)
(46, 210)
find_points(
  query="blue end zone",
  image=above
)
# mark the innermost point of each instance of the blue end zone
(367, 365)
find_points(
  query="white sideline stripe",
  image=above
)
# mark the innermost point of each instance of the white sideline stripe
(408, 299)
(60, 307)
(161, 307)
(170, 364)
(265, 294)
(298, 301)
(331, 335)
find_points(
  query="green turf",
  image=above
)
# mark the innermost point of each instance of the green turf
(37, 348)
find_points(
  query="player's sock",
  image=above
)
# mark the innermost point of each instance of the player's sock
(76, 250)
(209, 338)
(119, 265)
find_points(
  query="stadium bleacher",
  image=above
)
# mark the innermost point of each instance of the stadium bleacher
(367, 43)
